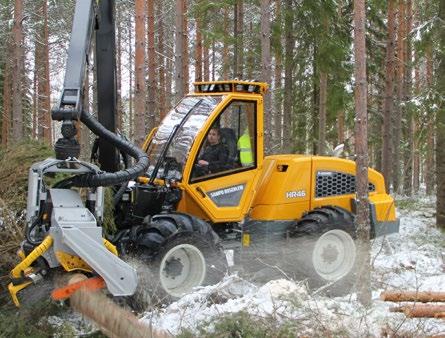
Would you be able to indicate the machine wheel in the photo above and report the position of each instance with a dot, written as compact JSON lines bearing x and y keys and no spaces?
{"x":184,"y":252}
{"x":325,"y":249}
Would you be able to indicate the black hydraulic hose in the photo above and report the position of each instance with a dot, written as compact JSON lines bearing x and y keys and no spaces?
{"x":108,"y":179}
{"x":162,"y":155}
{"x":29,"y":230}
{"x":118,"y":195}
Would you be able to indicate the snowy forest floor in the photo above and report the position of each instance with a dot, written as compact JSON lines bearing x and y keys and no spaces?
{"x":412,"y":260}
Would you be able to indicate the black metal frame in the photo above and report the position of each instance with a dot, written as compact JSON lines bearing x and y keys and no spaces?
{"x":88,"y":16}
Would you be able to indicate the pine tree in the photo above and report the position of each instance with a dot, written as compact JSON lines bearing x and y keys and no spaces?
{"x":151,"y":56}
{"x":139,"y":65}
{"x":388,"y":98}
{"x":361,"y":149}
{"x":17,"y":69}
{"x":440,"y":121}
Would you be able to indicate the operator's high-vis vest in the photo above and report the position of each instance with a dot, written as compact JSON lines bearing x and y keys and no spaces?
{"x":245,"y":150}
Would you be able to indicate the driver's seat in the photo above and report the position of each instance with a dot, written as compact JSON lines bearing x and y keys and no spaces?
{"x":228,"y":138}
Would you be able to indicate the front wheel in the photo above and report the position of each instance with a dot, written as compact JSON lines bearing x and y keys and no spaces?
{"x":323,"y":243}
{"x":181,"y":252}
{"x":333,"y":255}
{"x":186,"y":262}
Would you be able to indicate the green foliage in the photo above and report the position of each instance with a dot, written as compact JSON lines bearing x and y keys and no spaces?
{"x":29,"y":322}
{"x":245,"y":325}
{"x":108,"y":224}
{"x":16,"y":161}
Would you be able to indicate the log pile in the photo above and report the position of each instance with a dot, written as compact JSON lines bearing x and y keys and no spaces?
{"x":420,"y":306}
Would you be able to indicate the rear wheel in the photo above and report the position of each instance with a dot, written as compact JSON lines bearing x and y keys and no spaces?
{"x":325,"y":250}
{"x":183,"y":252}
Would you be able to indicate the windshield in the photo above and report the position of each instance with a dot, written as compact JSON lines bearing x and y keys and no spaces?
{"x":188,"y":116}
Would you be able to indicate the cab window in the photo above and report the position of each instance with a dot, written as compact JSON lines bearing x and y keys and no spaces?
{"x":230,"y":143}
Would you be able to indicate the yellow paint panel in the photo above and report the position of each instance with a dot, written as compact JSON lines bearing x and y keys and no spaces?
{"x":384,"y":207}
{"x":71,"y":262}
{"x":199,"y":193}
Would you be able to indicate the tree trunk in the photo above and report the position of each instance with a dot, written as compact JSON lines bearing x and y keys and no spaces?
{"x":119,"y":104}
{"x":6,"y":117}
{"x":315,"y":101}
{"x":179,"y":50}
{"x":185,"y":47}
{"x":35,"y":120}
{"x":322,"y":113}
{"x":340,"y":127}
{"x":361,"y":150}
{"x":198,"y":48}
{"x":412,"y":296}
{"x":225,"y":51}
{"x":161,"y":62}
{"x":42,"y":69}
{"x":417,"y":126}
{"x":206,"y":63}
{"x":139,"y":65}
{"x":440,"y":125}
{"x":169,"y":78}
{"x":130,"y":85}
{"x":288,"y":76}
{"x":213,"y":59}
{"x":151,"y":56}
{"x":400,"y":96}
{"x":429,"y":165}
{"x":17,"y":79}
{"x":238,"y":56}
{"x":407,"y":83}
{"x":388,"y":103}
{"x":249,"y":63}
{"x":278,"y":112}
{"x":266,"y":68}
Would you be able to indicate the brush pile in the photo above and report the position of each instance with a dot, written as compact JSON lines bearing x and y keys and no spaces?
{"x":15,"y":163}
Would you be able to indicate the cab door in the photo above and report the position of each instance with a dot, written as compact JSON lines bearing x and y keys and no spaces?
{"x":225,"y":193}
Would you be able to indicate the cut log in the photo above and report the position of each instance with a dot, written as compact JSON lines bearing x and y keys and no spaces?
{"x":113,"y":320}
{"x":412,"y":296}
{"x":420,"y":310}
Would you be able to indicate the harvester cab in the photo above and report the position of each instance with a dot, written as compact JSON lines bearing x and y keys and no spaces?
{"x":222,"y":190}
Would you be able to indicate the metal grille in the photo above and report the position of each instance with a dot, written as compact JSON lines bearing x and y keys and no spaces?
{"x":331,"y":183}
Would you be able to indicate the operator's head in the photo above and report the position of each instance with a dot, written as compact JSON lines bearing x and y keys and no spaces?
{"x":214,"y":136}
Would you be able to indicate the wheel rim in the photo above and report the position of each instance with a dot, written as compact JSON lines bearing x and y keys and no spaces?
{"x":182,"y":268}
{"x":334,"y":255}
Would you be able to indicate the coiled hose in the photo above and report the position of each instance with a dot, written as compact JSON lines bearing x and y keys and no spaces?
{"x":108,"y":179}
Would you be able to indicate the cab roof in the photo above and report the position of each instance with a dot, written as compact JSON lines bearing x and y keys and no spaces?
{"x":230,"y":86}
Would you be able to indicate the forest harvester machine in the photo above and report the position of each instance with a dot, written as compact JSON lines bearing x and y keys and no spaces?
{"x":185,"y":221}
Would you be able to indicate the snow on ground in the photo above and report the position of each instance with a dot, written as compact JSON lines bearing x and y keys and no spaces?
{"x":410,"y":260}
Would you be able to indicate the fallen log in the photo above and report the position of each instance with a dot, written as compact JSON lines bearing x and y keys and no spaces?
{"x":412,"y":296}
{"x":420,"y":310}
{"x":113,"y":320}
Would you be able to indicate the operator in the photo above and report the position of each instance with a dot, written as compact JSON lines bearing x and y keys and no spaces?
{"x":216,"y":155}
{"x":245,"y":149}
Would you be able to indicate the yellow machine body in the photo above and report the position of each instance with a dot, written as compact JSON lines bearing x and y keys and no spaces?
{"x":279,"y":187}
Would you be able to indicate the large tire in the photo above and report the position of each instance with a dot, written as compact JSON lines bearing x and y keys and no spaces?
{"x":182,"y":252}
{"x":325,"y":250}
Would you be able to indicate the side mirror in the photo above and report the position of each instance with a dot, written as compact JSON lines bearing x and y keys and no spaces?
{"x":338,"y":150}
